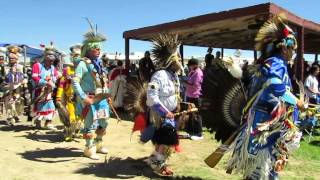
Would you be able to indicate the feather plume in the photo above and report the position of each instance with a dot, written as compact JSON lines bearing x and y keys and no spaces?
{"x":92,"y":35}
{"x":233,"y":67}
{"x":271,"y":34}
{"x":164,"y":45}
{"x":223,"y":99}
{"x":136,"y":96}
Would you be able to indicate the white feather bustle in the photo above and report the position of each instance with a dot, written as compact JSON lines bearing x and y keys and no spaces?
{"x":235,"y":70}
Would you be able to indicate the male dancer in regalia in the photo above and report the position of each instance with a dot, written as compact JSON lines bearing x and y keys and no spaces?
{"x":163,"y":100}
{"x":90,"y":85}
{"x":14,"y":81}
{"x":263,"y":145}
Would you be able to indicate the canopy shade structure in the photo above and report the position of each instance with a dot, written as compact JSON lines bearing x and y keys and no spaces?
{"x":232,"y":29}
{"x":31,"y":52}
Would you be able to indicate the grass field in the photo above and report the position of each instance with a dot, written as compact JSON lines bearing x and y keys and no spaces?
{"x":304,"y":163}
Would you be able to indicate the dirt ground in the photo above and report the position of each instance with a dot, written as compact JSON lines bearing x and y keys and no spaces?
{"x":30,"y":154}
{"x":27,"y":153}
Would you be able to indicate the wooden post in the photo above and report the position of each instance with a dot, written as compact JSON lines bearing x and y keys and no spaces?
{"x":222,"y":53}
{"x":24,"y":58}
{"x":255,"y":55}
{"x":181,"y":54}
{"x":127,"y":52}
{"x":300,"y":52}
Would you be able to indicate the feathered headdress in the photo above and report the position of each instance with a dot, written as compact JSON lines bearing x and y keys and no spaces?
{"x":14,"y":49}
{"x":75,"y":49}
{"x":92,"y":39}
{"x":50,"y":51}
{"x":13,"y":52}
{"x":274,"y":34}
{"x":164,"y":50}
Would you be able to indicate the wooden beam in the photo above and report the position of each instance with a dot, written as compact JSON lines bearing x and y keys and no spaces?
{"x":255,"y":55}
{"x":300,"y":52}
{"x":225,"y":37}
{"x":198,"y":20}
{"x":127,"y":52}
{"x":181,"y":54}
{"x":222,"y":53}
{"x":215,"y":28}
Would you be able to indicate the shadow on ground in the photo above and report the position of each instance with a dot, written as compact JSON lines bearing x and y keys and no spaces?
{"x":55,"y":155}
{"x":49,"y":136}
{"x":118,"y":168}
{"x":315,"y":143}
{"x":15,"y":128}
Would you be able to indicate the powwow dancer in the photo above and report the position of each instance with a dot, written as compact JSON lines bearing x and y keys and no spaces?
{"x":90,"y":85}
{"x":118,"y":81}
{"x":2,"y":69}
{"x":44,"y":77}
{"x":2,"y":80}
{"x":263,"y":145}
{"x":65,"y":97}
{"x":14,"y":81}
{"x":161,"y":96}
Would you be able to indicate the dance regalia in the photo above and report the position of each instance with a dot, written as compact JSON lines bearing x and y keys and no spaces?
{"x":14,"y":81}
{"x":87,"y":84}
{"x":90,"y":81}
{"x":163,"y":97}
{"x":154,"y":103}
{"x":118,"y":81}
{"x":263,"y":145}
{"x":44,"y":107}
{"x":14,"y":100}
{"x":2,"y":73}
{"x":66,"y":104}
{"x":268,"y":135}
{"x":2,"y":91}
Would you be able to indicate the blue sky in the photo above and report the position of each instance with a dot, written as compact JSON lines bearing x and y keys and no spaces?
{"x":39,"y":21}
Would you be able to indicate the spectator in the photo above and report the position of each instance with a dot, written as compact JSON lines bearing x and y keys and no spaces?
{"x":133,"y":69}
{"x":209,"y":57}
{"x":105,"y":62}
{"x":146,"y":67}
{"x":312,"y":86}
{"x":218,"y":56}
{"x":193,"y":92}
{"x":316,"y":62}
